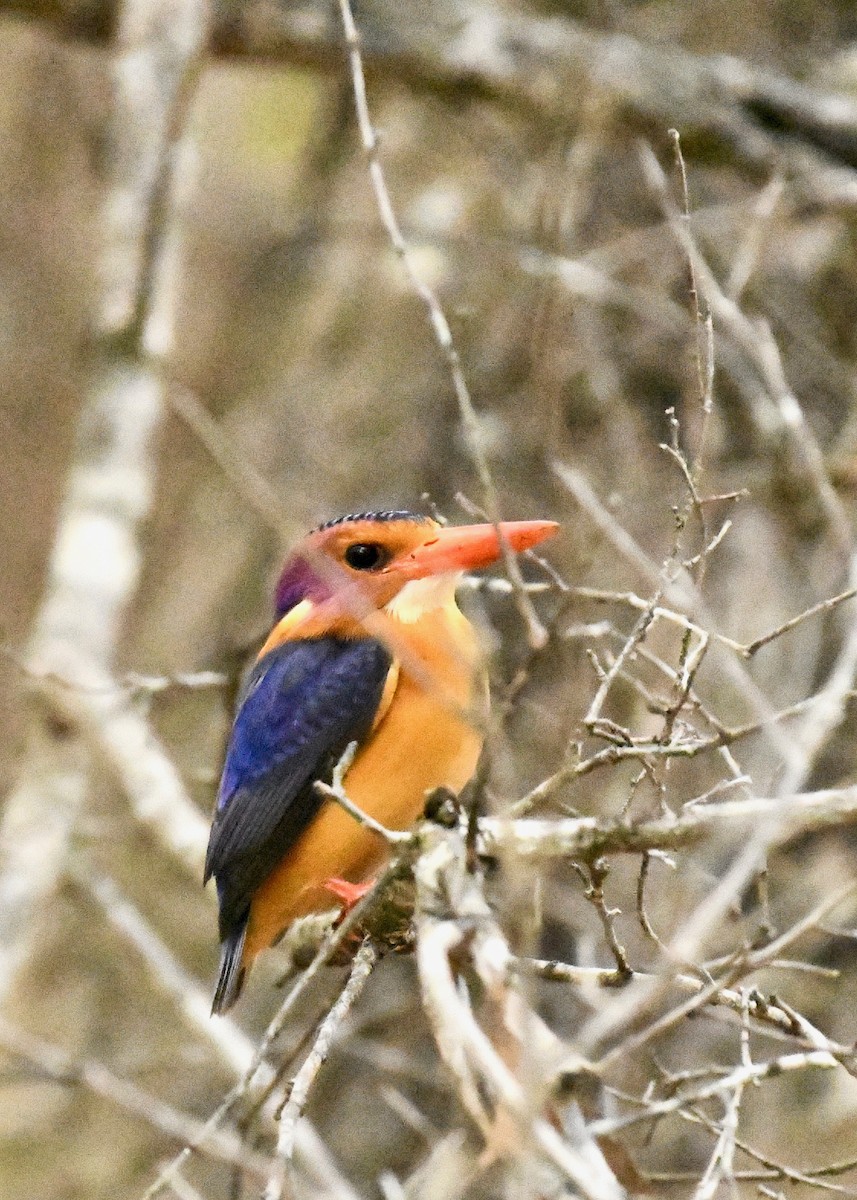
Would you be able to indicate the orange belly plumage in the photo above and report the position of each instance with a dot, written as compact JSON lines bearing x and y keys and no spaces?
{"x":429,"y":737}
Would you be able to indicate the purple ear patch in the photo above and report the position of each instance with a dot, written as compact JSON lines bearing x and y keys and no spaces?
{"x":298,"y":582}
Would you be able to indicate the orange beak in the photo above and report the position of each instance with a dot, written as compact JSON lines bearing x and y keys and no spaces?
{"x":468,"y":547}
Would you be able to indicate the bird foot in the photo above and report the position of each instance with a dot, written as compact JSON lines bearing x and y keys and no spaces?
{"x":350,"y":894}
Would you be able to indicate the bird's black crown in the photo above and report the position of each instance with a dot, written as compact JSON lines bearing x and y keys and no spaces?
{"x":383,"y":515}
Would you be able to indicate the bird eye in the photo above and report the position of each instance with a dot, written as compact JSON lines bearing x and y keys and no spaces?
{"x":365,"y":556}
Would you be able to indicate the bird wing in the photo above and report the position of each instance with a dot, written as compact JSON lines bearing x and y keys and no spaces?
{"x":303,"y":703}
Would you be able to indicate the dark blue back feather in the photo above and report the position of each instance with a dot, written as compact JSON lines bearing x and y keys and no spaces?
{"x":302,"y":704}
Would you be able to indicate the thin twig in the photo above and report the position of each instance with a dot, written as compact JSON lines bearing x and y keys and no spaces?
{"x":741,"y":965}
{"x":250,"y":484}
{"x":758,"y":344}
{"x":739,"y":1077}
{"x":680,"y":592}
{"x":326,"y":952}
{"x":437,"y":317}
{"x":773,"y":1016}
{"x":828,"y":708}
{"x":361,"y":968}
{"x":336,"y":791}
{"x":594,"y":876}
{"x":822,"y":606}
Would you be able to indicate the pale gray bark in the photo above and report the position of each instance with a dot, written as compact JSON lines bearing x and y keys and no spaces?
{"x":95,"y":562}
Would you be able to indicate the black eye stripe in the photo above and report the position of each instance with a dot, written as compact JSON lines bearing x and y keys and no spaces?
{"x":366,"y":556}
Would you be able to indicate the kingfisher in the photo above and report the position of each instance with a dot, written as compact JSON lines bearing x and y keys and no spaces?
{"x":368,"y":647}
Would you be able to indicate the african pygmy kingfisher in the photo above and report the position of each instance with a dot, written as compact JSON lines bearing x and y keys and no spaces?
{"x":370,"y":647}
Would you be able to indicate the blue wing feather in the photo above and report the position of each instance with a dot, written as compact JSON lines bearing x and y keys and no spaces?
{"x":302,"y":705}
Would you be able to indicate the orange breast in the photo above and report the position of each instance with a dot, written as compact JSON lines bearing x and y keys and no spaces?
{"x":428,"y":737}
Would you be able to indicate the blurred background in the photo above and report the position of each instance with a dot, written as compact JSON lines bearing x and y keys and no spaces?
{"x":296,"y":377}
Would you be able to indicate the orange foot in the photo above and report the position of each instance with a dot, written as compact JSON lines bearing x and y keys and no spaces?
{"x":350,"y":894}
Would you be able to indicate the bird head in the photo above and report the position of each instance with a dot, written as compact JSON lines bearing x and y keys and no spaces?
{"x":401,"y":562}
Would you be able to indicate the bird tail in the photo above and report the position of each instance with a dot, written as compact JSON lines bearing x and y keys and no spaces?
{"x":231,"y":977}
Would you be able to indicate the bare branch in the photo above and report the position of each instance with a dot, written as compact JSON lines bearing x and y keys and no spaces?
{"x":681,"y":593}
{"x":95,"y":561}
{"x":784,"y":817}
{"x":757,"y":343}
{"x":155,"y":1112}
{"x":827,"y":710}
{"x":770,"y":1014}
{"x":533,"y":65}
{"x":823,"y":606}
{"x":361,"y":968}
{"x":739,"y":1078}
{"x":330,"y":946}
{"x":488,"y":1072}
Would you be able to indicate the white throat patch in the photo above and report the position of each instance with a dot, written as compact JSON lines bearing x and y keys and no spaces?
{"x":421,"y":596}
